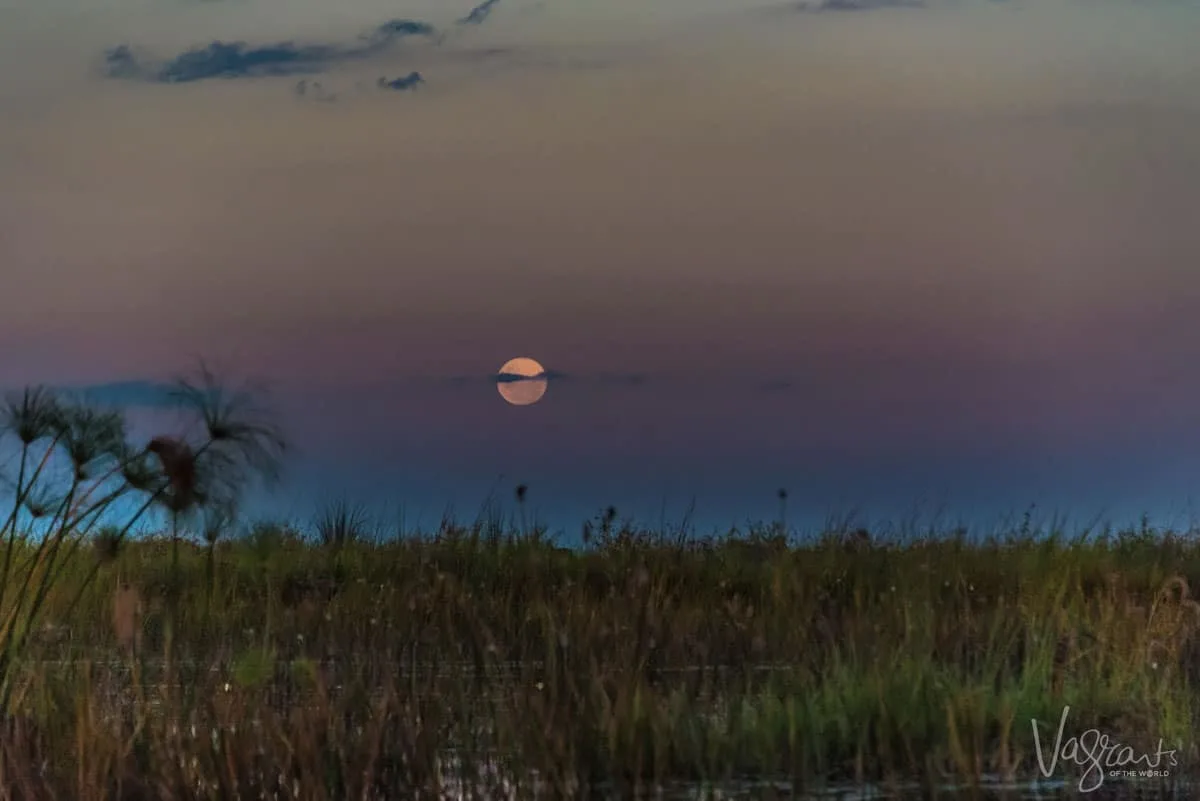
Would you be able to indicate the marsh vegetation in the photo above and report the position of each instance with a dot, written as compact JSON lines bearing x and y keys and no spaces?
{"x":222,"y":658}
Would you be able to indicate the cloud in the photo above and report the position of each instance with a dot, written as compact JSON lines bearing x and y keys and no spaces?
{"x":512,"y":378}
{"x":505,"y":378}
{"x":555,"y":376}
{"x":239,"y":60}
{"x":314,"y":90}
{"x":121,"y":63}
{"x":385,"y":33}
{"x":403,"y":83}
{"x":599,"y":380}
{"x":605,"y":379}
{"x":231,"y":60}
{"x":143,"y":394}
{"x":479,"y":13}
{"x":856,"y":5}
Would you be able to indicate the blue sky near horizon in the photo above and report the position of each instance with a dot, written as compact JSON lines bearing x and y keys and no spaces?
{"x":937,"y":257}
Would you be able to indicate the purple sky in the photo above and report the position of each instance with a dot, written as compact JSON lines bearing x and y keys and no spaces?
{"x":942,"y":257}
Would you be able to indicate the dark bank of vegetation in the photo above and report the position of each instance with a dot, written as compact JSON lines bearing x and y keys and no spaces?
{"x":219,"y":662}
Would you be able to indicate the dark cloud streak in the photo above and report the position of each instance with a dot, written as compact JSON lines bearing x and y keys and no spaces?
{"x":604,"y":379}
{"x":856,"y":5}
{"x":403,"y":83}
{"x":513,"y":378}
{"x":231,"y":60}
{"x":479,"y":13}
{"x":385,"y":33}
{"x":142,"y":394}
{"x":237,"y":59}
{"x":315,"y":90}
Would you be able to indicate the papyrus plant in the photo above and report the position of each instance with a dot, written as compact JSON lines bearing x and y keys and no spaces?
{"x":76,"y":468}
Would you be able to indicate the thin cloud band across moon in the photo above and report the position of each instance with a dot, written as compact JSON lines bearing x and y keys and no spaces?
{"x":522,"y":381}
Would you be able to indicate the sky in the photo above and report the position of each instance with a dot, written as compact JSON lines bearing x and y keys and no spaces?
{"x":896,"y":258}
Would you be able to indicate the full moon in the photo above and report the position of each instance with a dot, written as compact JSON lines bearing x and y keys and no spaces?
{"x":522,"y":381}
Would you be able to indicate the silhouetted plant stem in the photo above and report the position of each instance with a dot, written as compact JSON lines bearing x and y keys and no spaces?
{"x":47,"y":550}
{"x":89,"y":438}
{"x":91,"y":574}
{"x":173,"y":588}
{"x":12,"y":521}
{"x":94,"y":512}
{"x":11,"y":524}
{"x":23,"y":495}
{"x":210,"y":570}
{"x":10,"y":647}
{"x":47,"y":569}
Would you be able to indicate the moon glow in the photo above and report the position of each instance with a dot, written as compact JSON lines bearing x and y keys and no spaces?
{"x":522,"y":381}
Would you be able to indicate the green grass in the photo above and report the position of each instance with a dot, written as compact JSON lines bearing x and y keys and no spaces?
{"x":338,"y":666}
{"x":323,"y":670}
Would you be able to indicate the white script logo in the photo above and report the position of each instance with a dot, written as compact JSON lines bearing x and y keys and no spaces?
{"x":1097,"y":752}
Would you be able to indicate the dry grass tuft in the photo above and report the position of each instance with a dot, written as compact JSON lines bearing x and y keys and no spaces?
{"x":127,"y":618}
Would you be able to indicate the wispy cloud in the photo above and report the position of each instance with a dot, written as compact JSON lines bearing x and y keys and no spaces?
{"x":405,"y":82}
{"x":512,"y":378}
{"x":239,"y":60}
{"x":479,"y":13}
{"x":316,"y":90}
{"x":555,"y":376}
{"x":136,"y":393}
{"x":505,"y":378}
{"x":385,"y":33}
{"x":856,"y":5}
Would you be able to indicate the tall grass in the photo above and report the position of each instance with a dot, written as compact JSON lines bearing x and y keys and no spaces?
{"x":495,"y":660}
{"x":77,"y":465}
{"x":485,"y":661}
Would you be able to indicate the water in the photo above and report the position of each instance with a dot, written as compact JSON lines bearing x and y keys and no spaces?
{"x":460,"y":782}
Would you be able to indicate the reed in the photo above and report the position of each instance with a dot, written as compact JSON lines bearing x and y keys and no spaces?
{"x":484,"y":660}
{"x":498,"y":661}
